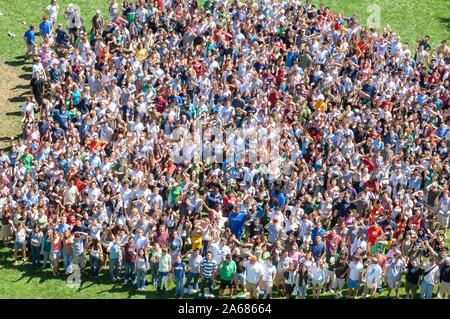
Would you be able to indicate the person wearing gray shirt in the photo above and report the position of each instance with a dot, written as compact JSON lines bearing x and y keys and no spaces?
{"x":195,"y":260}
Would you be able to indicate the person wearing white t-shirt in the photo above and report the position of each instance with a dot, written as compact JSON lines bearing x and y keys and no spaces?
{"x":373,"y":276}
{"x":317,"y":278}
{"x":430,"y":279}
{"x":253,"y":276}
{"x":269,"y":273}
{"x":354,"y":278}
{"x":71,"y":194}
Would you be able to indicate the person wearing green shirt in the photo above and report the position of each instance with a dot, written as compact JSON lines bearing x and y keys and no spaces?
{"x":46,"y":247}
{"x":227,"y":271}
{"x":332,"y":258}
{"x":27,"y":160}
{"x":175,"y":194}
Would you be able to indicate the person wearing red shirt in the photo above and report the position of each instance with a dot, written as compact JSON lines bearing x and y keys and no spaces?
{"x":332,"y":238}
{"x":415,"y":220}
{"x":160,"y":103}
{"x":374,"y":232}
{"x":170,"y":168}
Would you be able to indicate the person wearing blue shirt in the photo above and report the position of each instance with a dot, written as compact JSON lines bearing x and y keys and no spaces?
{"x":318,"y":248}
{"x":276,"y":196}
{"x":114,"y":255}
{"x":30,"y":40}
{"x":318,"y":230}
{"x":237,"y":221}
{"x":62,"y":116}
{"x":45,"y":27}
{"x":179,"y":272}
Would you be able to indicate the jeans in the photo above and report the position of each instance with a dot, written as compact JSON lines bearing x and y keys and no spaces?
{"x":95,"y":266}
{"x":140,"y":273}
{"x":46,"y":258}
{"x":67,"y":258}
{"x":207,"y":283}
{"x":302,"y":291}
{"x":179,"y":289}
{"x":35,"y":252}
{"x":426,"y":290}
{"x":190,"y":276}
{"x":114,"y":268}
{"x":163,"y":277}
{"x":154,"y":269}
{"x":130,"y":270}
{"x":205,"y":245}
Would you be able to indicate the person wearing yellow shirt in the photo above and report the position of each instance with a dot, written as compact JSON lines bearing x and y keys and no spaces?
{"x":197,"y":239}
{"x":141,"y":52}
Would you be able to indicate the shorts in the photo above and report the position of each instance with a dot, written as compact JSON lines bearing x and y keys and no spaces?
{"x":353,"y":284}
{"x":226,"y":283}
{"x":6,"y":231}
{"x":56,"y":255}
{"x":329,"y":275}
{"x":240,"y":278}
{"x":316,"y":282}
{"x":266,"y":286}
{"x":443,"y":220}
{"x":411,"y":287}
{"x":338,"y":283}
{"x":80,"y":261}
{"x":444,"y":288}
{"x":31,"y":49}
{"x":18,"y":245}
{"x":252,"y":290}
{"x":371,"y":285}
{"x":393,"y":283}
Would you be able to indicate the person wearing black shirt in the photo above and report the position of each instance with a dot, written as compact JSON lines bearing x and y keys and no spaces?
{"x":340,"y":270}
{"x":444,"y":288}
{"x":413,"y":273}
{"x":255,"y":227}
{"x":240,"y":270}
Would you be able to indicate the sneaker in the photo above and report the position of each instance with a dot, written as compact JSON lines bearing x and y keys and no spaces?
{"x":125,"y":281}
{"x":210,"y":295}
{"x":134,"y":282}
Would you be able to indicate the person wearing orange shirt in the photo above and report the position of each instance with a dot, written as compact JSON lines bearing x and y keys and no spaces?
{"x":374,"y":232}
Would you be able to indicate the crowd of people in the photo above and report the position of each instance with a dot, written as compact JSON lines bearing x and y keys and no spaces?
{"x":348,"y":194}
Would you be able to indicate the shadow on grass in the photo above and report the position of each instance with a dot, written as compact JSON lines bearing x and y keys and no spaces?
{"x":25,"y":76}
{"x":16,"y":99}
{"x":445,"y":21}
{"x":14,"y":63}
{"x":8,"y":138}
{"x":17,"y":113}
{"x":21,"y":87}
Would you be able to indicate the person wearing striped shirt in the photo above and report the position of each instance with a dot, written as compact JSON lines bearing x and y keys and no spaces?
{"x":208,"y":268}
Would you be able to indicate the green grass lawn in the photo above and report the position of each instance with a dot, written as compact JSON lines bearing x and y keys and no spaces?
{"x":24,"y":281}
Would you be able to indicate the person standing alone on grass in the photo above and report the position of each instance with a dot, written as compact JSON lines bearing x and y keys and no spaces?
{"x":30,"y":40}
